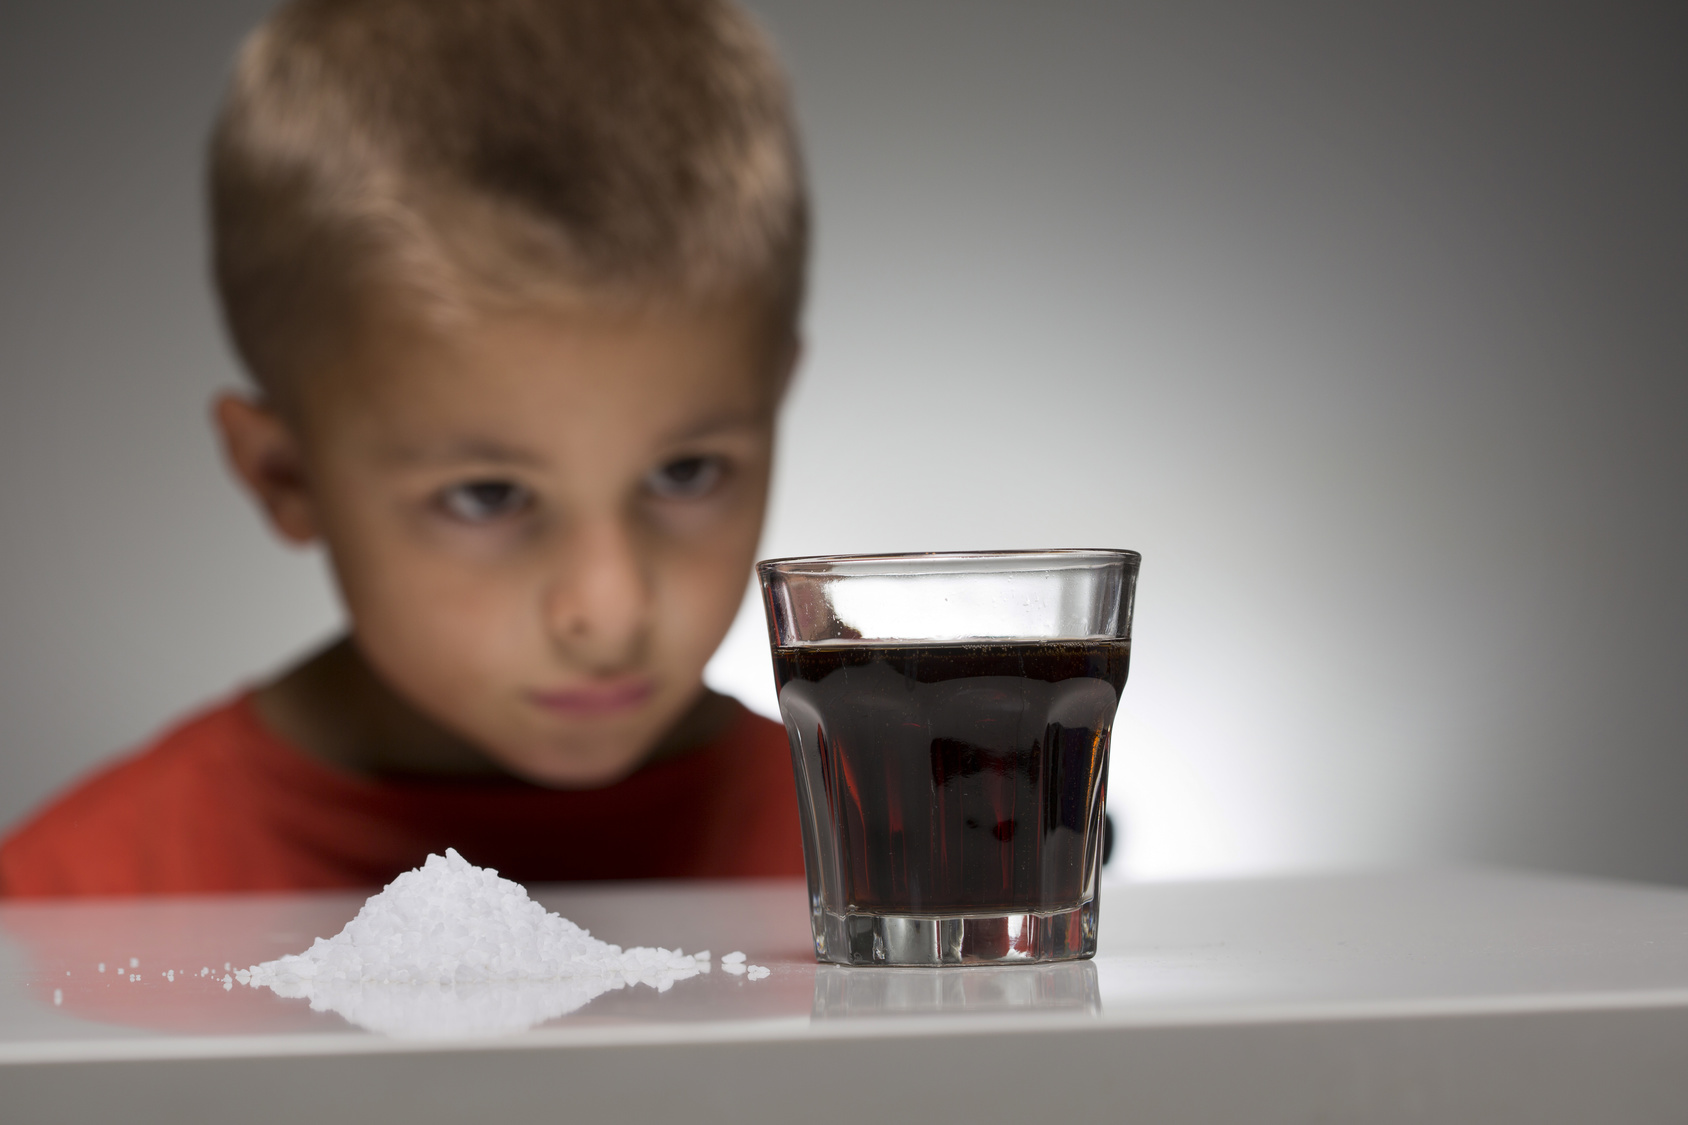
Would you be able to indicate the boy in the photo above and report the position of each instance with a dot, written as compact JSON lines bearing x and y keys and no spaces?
{"x":518,"y":283}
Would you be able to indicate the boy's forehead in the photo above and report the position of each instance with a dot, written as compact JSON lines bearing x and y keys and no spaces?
{"x":485,"y":443}
{"x":494,"y":386}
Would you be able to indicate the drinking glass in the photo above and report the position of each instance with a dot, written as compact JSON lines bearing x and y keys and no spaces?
{"x":949,"y":718}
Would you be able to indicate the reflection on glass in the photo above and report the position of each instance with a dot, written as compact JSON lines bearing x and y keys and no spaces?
{"x":845,"y":993}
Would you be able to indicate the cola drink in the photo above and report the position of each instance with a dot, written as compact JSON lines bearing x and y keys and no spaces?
{"x":960,"y":778}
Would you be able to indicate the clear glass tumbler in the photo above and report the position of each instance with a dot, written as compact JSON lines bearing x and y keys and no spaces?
{"x":949,"y":717}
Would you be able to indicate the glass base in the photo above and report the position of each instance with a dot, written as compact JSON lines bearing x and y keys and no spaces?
{"x":965,"y":939}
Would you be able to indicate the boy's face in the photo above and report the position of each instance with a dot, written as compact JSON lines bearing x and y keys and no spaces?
{"x":542,"y":523}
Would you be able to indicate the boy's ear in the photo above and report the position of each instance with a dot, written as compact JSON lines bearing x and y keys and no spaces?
{"x":264,"y":453}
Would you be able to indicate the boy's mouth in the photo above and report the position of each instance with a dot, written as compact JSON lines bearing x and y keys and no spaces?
{"x":603,"y":697}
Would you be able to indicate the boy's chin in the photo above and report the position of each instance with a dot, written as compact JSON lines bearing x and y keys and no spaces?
{"x":559,"y":768}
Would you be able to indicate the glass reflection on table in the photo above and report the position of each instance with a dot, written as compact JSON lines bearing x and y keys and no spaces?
{"x":849,"y":993}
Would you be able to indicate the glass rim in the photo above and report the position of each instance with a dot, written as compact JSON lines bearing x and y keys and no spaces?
{"x":1070,"y":556}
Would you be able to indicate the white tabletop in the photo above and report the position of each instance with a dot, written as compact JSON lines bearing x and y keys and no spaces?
{"x":1401,"y":997}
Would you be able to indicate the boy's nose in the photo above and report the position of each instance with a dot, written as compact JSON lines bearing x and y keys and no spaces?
{"x":598,"y":600}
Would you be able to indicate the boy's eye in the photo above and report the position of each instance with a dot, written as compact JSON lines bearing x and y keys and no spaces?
{"x":482,"y":501}
{"x":686,"y":478}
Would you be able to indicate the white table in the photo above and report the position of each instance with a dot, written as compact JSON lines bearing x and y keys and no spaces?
{"x":1430,"y":997}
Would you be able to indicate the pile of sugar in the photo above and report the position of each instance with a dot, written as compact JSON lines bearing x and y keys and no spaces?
{"x":453,"y":949}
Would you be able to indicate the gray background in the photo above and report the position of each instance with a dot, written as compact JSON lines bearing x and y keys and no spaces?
{"x":1364,"y":323}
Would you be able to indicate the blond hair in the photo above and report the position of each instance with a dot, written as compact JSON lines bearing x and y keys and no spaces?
{"x":466,"y":151}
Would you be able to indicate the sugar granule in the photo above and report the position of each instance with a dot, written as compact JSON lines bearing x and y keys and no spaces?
{"x":453,"y":949}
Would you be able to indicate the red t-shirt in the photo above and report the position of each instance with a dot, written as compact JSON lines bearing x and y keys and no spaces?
{"x":222,"y":804}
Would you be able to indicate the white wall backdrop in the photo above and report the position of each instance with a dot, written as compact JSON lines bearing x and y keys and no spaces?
{"x":1365,"y":326}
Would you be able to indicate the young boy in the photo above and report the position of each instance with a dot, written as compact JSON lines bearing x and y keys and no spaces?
{"x":518,"y":283}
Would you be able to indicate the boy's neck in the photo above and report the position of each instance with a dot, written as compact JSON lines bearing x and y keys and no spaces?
{"x":335,"y":708}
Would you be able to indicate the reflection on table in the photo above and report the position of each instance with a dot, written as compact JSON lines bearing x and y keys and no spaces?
{"x":846,"y":993}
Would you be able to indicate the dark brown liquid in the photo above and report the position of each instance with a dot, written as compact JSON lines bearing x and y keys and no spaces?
{"x":951,"y":778}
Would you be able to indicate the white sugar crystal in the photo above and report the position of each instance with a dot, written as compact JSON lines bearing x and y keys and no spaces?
{"x":734,"y":967}
{"x":756,"y":972}
{"x":134,"y":962}
{"x":102,"y":966}
{"x":58,"y":997}
{"x":453,"y":949}
{"x":733,"y":958}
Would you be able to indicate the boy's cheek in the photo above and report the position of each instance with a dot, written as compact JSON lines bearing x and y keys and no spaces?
{"x":430,"y":615}
{"x":704,"y":592}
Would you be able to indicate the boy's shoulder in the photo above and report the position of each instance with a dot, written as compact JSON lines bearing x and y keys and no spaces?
{"x":136,"y":824}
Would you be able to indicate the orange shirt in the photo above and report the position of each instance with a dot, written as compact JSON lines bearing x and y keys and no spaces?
{"x":222,"y":804}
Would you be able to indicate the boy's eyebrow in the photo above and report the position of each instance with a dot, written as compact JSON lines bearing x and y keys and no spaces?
{"x":479,"y":450}
{"x":490,"y":451}
{"x":715,"y":423}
